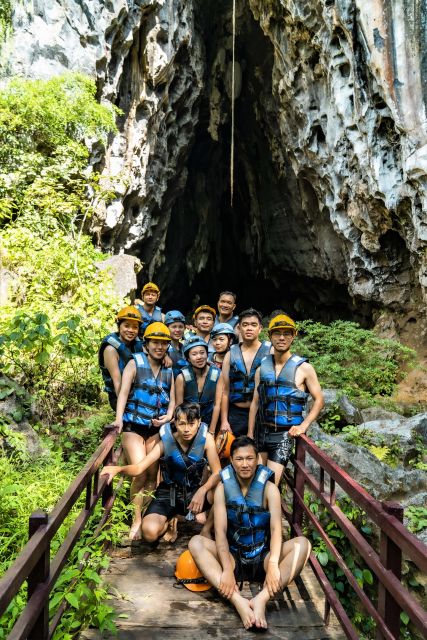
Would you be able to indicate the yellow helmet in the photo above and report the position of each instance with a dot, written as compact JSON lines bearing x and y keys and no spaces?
{"x":282,"y":321}
{"x":129,"y":313}
{"x":150,"y":286}
{"x":189,"y":575}
{"x":206,"y":308}
{"x":157,"y":331}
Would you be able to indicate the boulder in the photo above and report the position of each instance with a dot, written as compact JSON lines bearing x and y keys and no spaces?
{"x":336,"y":399}
{"x":378,"y":413}
{"x":124,"y":269}
{"x":15,"y":411}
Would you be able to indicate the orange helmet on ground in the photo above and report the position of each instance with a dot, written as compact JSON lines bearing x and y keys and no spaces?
{"x":223,"y":442}
{"x":188,"y":574}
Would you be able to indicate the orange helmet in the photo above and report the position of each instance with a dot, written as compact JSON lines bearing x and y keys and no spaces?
{"x":188,"y":574}
{"x":150,"y":286}
{"x":223,"y":443}
{"x":206,"y":308}
{"x":129,"y":313}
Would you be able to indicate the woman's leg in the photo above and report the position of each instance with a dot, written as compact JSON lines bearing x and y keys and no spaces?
{"x":135,"y":450}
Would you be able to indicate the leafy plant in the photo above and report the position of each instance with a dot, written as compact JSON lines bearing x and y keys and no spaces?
{"x":417,"y":517}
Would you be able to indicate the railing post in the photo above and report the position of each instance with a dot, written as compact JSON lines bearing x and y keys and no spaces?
{"x":297,"y":510}
{"x":391,"y":558}
{"x":108,"y":489}
{"x":38,"y":575}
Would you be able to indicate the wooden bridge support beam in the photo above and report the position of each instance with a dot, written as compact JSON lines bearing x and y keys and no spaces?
{"x":39,"y":575}
{"x":391,"y":558}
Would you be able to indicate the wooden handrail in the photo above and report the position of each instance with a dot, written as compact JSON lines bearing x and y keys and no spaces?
{"x":394,"y":539}
{"x":34,"y":564}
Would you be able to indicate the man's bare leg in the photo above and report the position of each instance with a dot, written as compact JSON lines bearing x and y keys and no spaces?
{"x":207,"y":528}
{"x":278,"y":471}
{"x":205,"y":556}
{"x":154,"y":526}
{"x":293,"y":558}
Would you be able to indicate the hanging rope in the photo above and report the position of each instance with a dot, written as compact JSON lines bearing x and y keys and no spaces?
{"x":232,"y":107}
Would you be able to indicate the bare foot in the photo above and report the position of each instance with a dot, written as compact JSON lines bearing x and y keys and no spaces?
{"x":171,"y":533}
{"x":135,"y":533}
{"x":258,"y":606}
{"x":244,"y":609}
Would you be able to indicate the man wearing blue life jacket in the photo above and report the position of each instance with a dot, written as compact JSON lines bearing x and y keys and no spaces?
{"x":200,"y":382}
{"x":175,"y":322}
{"x":248,"y":541}
{"x":147,"y":307}
{"x":238,"y":369}
{"x":226,"y":305}
{"x":184,"y":454}
{"x":117,"y":349}
{"x":146,"y":402}
{"x":283,"y":383}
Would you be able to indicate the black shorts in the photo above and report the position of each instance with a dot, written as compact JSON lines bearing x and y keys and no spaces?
{"x":141,"y":430}
{"x":278,"y":445}
{"x":238,"y":417}
{"x":161,"y":503}
{"x":249,"y":571}
{"x":112,"y":399}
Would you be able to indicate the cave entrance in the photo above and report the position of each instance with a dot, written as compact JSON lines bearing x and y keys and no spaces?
{"x":275,"y":247}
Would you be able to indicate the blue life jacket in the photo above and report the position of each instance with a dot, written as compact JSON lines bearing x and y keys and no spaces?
{"x":206,"y":398}
{"x":232,"y":322}
{"x":281,"y":402}
{"x":125,"y":354}
{"x":149,"y":397}
{"x":248,"y":529}
{"x":178,"y":360}
{"x":147,"y":319}
{"x":242,"y":383}
{"x":184,"y":469}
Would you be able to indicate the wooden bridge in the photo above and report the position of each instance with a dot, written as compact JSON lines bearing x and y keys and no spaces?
{"x":143,"y":579}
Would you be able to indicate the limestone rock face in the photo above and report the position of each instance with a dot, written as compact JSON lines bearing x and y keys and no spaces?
{"x":330,"y":142}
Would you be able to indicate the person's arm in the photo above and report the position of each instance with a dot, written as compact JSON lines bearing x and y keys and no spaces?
{"x":198,"y":499}
{"x":254,"y":407}
{"x":272,"y":577}
{"x":312,"y":384}
{"x":127,"y":380}
{"x":111,"y":362}
{"x":179,"y":389}
{"x":158,"y":422}
{"x":217,"y":404}
{"x":227,"y":585}
{"x":225,"y":401}
{"x":135,"y":469}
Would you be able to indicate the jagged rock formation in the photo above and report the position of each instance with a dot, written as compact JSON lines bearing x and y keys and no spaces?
{"x":331,"y":138}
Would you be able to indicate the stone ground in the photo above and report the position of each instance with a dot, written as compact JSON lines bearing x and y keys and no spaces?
{"x":142,"y":582}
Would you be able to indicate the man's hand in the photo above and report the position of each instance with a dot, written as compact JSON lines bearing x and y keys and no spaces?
{"x":118,"y":423}
{"x":272,"y":579}
{"x":196,"y":504}
{"x":167,"y":361}
{"x":227,"y":584}
{"x":225,"y":426}
{"x":110,"y":471}
{"x":158,"y":422}
{"x":297,"y":430}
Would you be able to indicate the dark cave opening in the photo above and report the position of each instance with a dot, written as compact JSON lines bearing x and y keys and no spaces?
{"x":264,"y":247}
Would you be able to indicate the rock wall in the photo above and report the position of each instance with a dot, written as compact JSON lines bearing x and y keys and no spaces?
{"x":331,"y":142}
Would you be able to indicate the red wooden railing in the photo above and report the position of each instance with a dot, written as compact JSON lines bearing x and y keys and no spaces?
{"x":395,"y":540}
{"x":34,"y":563}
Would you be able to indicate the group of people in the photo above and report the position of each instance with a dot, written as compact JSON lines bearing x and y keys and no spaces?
{"x":194,"y":398}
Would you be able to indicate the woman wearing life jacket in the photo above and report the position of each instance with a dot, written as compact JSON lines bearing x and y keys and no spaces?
{"x":175,"y":322}
{"x":222,"y":337}
{"x":145,"y":403}
{"x":248,"y":541}
{"x":117,"y":349}
{"x":184,"y":455}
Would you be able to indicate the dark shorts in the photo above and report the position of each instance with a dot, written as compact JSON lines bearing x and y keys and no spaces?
{"x":250,"y":571}
{"x":112,"y":399}
{"x":278,"y":445}
{"x":161,"y":503}
{"x":238,"y":418}
{"x":141,"y":430}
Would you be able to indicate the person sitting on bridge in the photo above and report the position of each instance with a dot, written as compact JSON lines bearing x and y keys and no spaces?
{"x":226,"y":305}
{"x":147,"y":307}
{"x":184,"y":455}
{"x":248,"y":537}
{"x":238,"y":370}
{"x":145,"y":403}
{"x":175,"y":321}
{"x":200,"y":382}
{"x":222,"y":337}
{"x":117,"y":349}
{"x":283,"y":383}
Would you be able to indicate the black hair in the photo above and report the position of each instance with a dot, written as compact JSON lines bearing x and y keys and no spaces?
{"x":247,"y":313}
{"x":191,"y":410}
{"x":227,"y":293}
{"x":243,"y":441}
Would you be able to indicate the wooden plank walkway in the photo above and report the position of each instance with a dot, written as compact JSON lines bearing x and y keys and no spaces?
{"x":142,"y":582}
